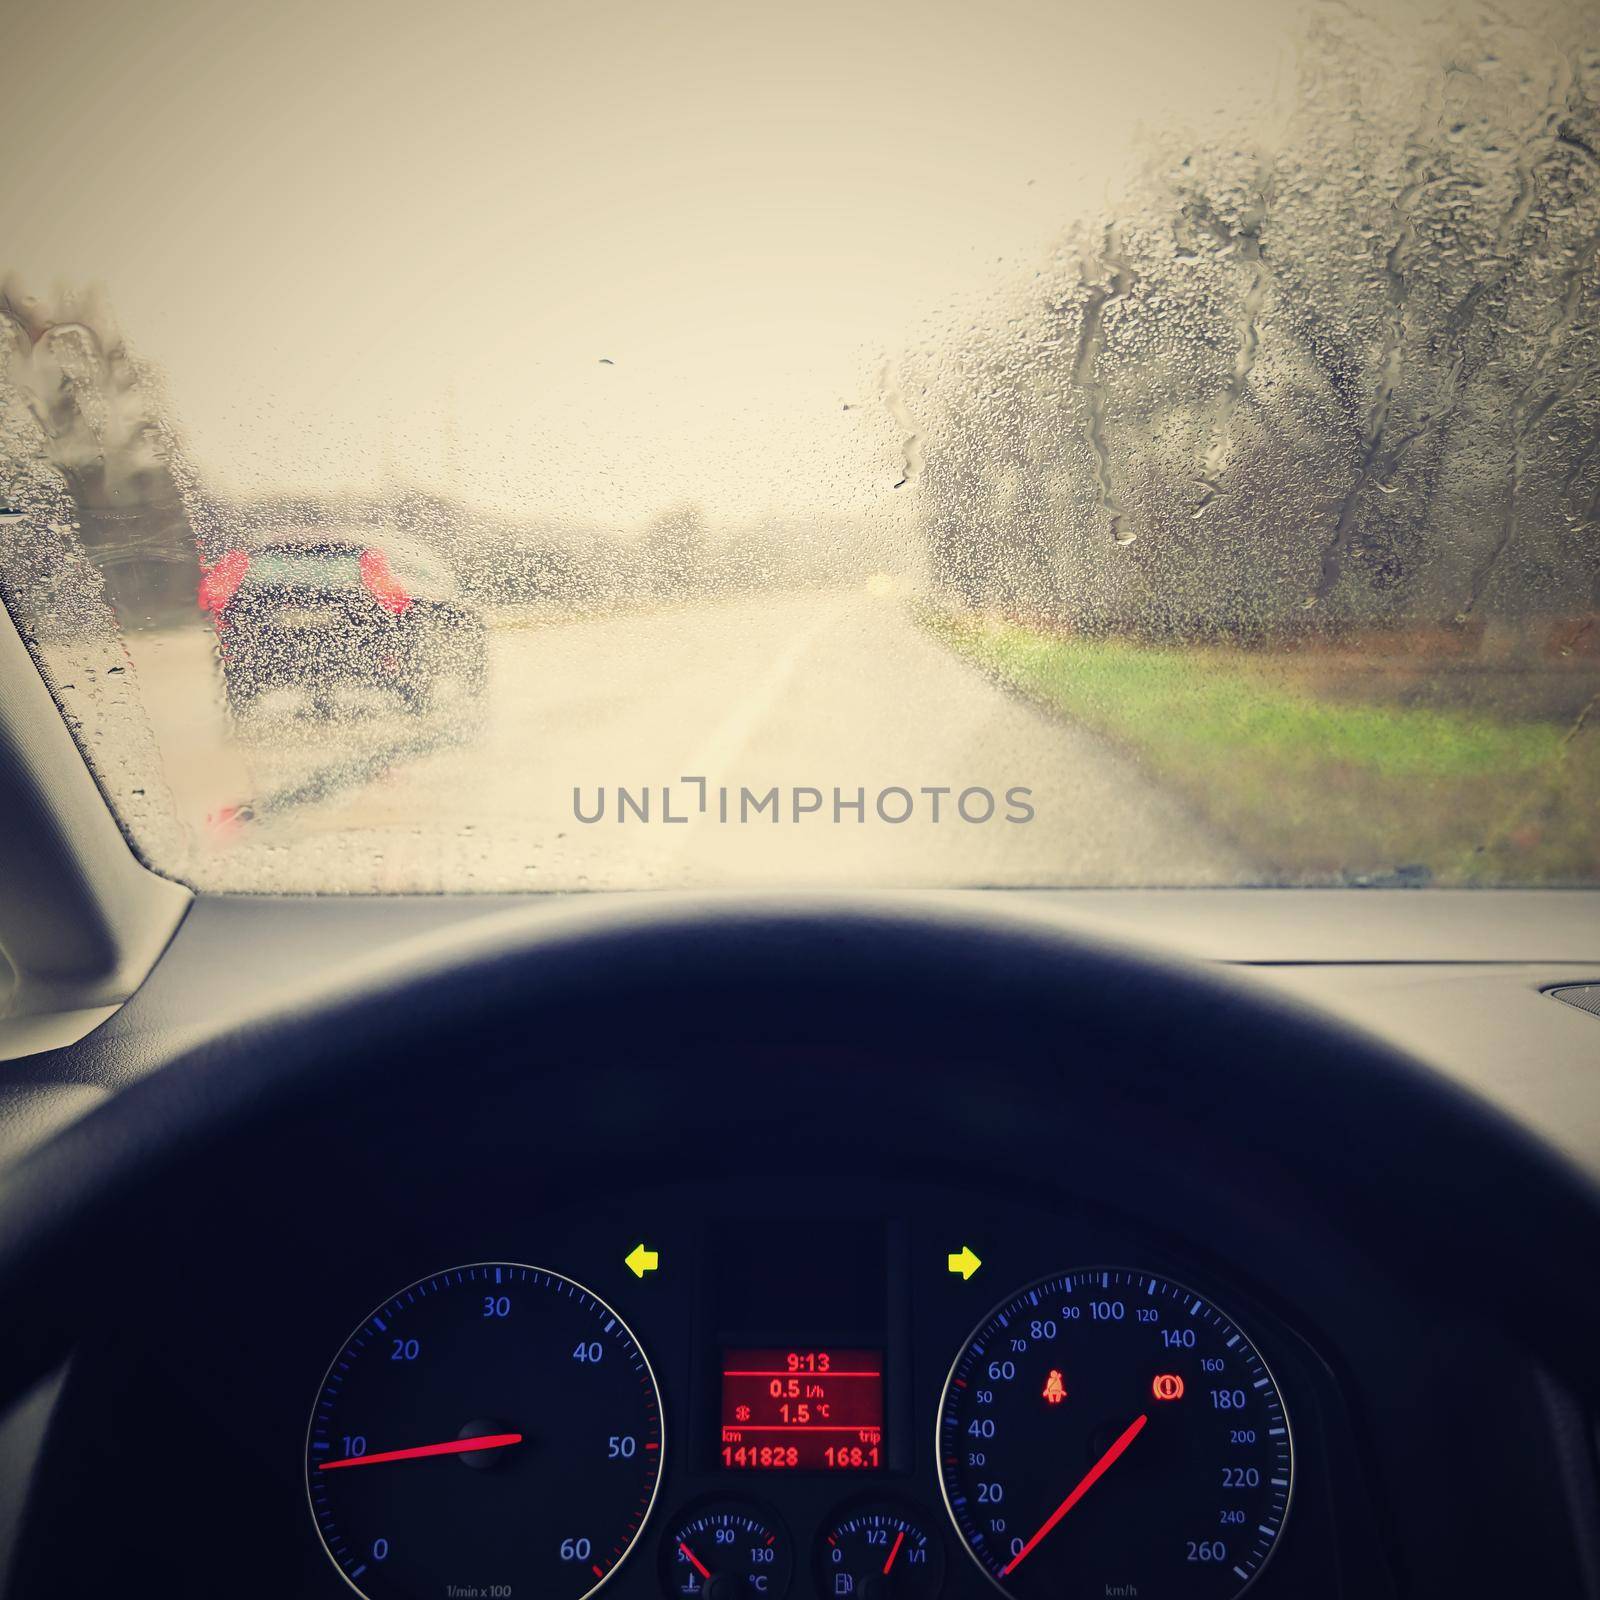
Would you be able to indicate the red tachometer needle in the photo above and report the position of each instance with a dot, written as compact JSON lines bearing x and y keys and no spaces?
{"x":451,"y":1447}
{"x":695,"y":1561}
{"x":899,"y":1539}
{"x":1085,"y":1484}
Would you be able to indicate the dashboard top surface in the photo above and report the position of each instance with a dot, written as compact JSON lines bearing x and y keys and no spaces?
{"x":789,"y":1142}
{"x":1453,"y":978}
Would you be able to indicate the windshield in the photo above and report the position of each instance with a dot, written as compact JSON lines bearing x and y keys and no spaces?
{"x":620,"y":445}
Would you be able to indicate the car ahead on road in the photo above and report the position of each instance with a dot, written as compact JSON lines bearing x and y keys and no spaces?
{"x":320,"y":613}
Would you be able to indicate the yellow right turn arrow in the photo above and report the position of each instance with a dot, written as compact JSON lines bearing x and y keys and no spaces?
{"x":964,"y":1262}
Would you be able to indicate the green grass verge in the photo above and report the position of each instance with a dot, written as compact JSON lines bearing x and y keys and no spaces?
{"x":1314,"y":789}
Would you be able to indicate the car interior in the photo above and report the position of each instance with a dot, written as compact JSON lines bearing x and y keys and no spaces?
{"x":839,"y":838}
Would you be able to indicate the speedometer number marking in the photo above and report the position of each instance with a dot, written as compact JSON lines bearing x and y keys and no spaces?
{"x":1111,"y":1431}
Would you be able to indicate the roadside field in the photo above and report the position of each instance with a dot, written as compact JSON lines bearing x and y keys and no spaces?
{"x":1320,"y":787}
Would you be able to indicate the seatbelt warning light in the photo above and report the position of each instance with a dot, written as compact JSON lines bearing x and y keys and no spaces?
{"x":1055,"y":1391}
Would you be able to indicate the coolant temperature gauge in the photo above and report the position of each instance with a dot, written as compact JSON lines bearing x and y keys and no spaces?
{"x":879,"y":1552}
{"x":726,"y":1550}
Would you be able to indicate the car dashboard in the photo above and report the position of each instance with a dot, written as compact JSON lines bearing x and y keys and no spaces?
{"x":723,"y":1299}
{"x":796,"y":1313}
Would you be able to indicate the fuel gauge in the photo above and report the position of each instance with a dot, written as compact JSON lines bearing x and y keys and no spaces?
{"x":879,"y":1551}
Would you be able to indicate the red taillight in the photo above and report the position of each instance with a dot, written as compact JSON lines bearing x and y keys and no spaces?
{"x":380,"y":582}
{"x":220,"y":581}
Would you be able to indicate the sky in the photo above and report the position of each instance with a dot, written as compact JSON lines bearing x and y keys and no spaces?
{"x":597,"y":256}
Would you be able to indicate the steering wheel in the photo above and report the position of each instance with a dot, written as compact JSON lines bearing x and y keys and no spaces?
{"x":668,"y":1033}
{"x":1181,"y":1059}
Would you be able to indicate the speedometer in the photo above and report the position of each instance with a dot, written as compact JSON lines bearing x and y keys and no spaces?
{"x":1109,"y":1431}
{"x":493,"y":1430}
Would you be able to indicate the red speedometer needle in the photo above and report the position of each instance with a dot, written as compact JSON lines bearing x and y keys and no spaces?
{"x":899,"y":1539}
{"x":450,"y":1447}
{"x":694,"y":1560}
{"x":1085,"y":1484}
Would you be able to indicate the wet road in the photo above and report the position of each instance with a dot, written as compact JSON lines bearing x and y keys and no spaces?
{"x":800,"y":692}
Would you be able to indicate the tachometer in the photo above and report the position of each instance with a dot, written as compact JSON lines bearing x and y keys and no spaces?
{"x":1111,"y":1432}
{"x":492,"y":1430}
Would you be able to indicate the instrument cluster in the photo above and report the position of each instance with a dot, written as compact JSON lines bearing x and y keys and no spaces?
{"x":772,"y":1408}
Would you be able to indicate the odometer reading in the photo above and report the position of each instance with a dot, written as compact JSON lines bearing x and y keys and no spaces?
{"x":492,"y":1430}
{"x":802,"y":1408}
{"x":1112,"y":1432}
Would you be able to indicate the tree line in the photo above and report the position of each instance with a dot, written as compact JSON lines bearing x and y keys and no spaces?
{"x":1347,"y":378}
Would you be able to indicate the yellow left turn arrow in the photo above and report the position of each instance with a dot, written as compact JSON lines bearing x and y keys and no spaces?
{"x":641,"y":1261}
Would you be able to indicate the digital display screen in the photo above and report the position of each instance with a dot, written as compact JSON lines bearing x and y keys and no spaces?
{"x":802,"y":1408}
